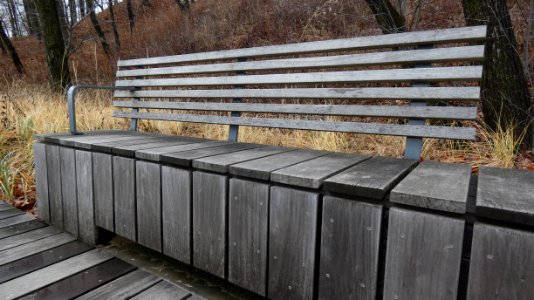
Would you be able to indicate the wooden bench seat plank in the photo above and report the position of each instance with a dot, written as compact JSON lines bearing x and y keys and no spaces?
{"x":435,"y":185}
{"x":389,"y":75}
{"x":124,"y":203}
{"x":261,"y":168}
{"x":391,"y":93}
{"x":373,"y":178}
{"x":55,"y":137}
{"x":129,"y":151}
{"x":27,"y":237}
{"x":10,"y":213}
{"x":27,"y":249}
{"x":82,"y":282}
{"x":85,"y":142}
{"x":154,"y":154}
{"x":429,"y":112}
{"x":53,"y":166}
{"x":444,"y":132}
{"x":506,"y":195}
{"x":123,"y":287}
{"x":40,"y":260}
{"x":19,"y":228}
{"x":87,"y":230}
{"x":38,"y":279}
{"x":466,"y":34}
{"x":148,"y":196}
{"x":103,"y":190}
{"x":220,"y":163}
{"x":107,"y":147}
{"x":41,"y":182}
{"x":163,"y":290}
{"x":469,"y":53}
{"x":15,"y":220}
{"x":311,"y":173}
{"x":68,"y":189}
{"x":185,"y":158}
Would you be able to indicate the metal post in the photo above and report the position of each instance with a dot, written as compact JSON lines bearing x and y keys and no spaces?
{"x":234,"y":129}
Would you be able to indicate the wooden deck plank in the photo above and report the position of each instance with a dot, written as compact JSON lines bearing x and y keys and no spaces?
{"x":209,"y":222}
{"x":16,"y":220}
{"x":185,"y":158}
{"x":20,"y":228}
{"x":154,"y":154}
{"x":82,"y":282}
{"x":148,"y":185}
{"x":107,"y":147}
{"x":54,"y":185}
{"x":87,"y":230}
{"x":176,"y":213}
{"x":103,"y":190}
{"x":129,"y":151}
{"x":40,"y":260}
{"x":41,"y":182}
{"x":4,"y":206}
{"x":292,"y":239}
{"x":124,"y":197}
{"x":68,"y":190}
{"x":27,"y":237}
{"x":28,"y":283}
{"x":10,"y":213}
{"x":21,"y":251}
{"x":124,"y":287}
{"x":163,"y":291}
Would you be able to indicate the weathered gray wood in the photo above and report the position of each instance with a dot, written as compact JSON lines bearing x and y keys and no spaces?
{"x":185,"y":158}
{"x":423,"y":257}
{"x":444,"y":132}
{"x":123,"y":287}
{"x":220,"y":163}
{"x":15,"y":220}
{"x":4,"y":206}
{"x":444,"y":93}
{"x":129,"y":151}
{"x":292,"y":240}
{"x":248,"y":215}
{"x":10,"y":213}
{"x":349,"y":249}
{"x":502,"y":263}
{"x":209,"y":222}
{"x":428,"y":112}
{"x":148,"y":185}
{"x":18,"y":228}
{"x":176,"y":213}
{"x":469,"y":53}
{"x":103,"y":190}
{"x":54,"y":138}
{"x":108,"y":146}
{"x":311,"y":173}
{"x":154,"y":154}
{"x":124,"y":197}
{"x":85,"y":142}
{"x":68,"y":190}
{"x":388,"y":75}
{"x":435,"y":185}
{"x":86,"y":201}
{"x":373,"y":178}
{"x":261,"y":168}
{"x":45,"y":276}
{"x":27,"y":249}
{"x":41,"y":182}
{"x":54,"y":185}
{"x":27,"y":237}
{"x":506,"y":195}
{"x":163,"y":290}
{"x":476,"y":33}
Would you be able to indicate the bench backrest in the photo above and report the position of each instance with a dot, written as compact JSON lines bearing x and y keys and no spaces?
{"x":339,"y":75}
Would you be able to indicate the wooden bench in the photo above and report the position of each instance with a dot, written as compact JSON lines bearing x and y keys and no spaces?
{"x":295,"y":223}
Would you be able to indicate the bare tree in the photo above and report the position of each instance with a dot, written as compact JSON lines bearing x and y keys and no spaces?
{"x":13,"y":18}
{"x":34,"y":28}
{"x":114,"y":26}
{"x":96,"y":26}
{"x":387,"y":17}
{"x":131,"y":16}
{"x":73,"y":12}
{"x":8,"y":47}
{"x":81,"y":6}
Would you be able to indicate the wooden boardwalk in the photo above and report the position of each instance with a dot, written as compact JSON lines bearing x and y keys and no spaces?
{"x":38,"y":261}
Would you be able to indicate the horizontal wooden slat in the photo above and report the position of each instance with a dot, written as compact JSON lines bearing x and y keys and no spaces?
{"x":429,"y":112}
{"x":437,"y":93}
{"x":391,"y":75}
{"x":355,"y":127}
{"x":465,"y":34}
{"x":467,"y":53}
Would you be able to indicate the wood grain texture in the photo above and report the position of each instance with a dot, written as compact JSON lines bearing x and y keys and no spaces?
{"x":124,"y":197}
{"x":148,"y":185}
{"x":68,"y":190}
{"x":163,"y":290}
{"x":185,"y":158}
{"x":435,"y":185}
{"x":292,"y":241}
{"x":248,"y":214}
{"x":10,"y":213}
{"x":18,"y":228}
{"x":16,"y":220}
{"x":26,"y":237}
{"x":176,"y":213}
{"x":21,"y":251}
{"x":209,"y":222}
{"x":154,"y":154}
{"x":103,"y":190}
{"x":506,"y":195}
{"x":53,"y":167}
{"x":423,"y":257}
{"x":502,"y":263}
{"x":373,"y":178}
{"x":41,"y":182}
{"x":349,"y":249}
{"x":129,"y":151}
{"x":86,"y":201}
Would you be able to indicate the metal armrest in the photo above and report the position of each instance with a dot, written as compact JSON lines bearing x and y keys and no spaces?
{"x":71,"y":101}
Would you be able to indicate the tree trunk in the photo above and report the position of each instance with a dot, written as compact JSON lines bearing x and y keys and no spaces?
{"x":73,"y":13}
{"x":56,"y":56}
{"x":83,"y":11}
{"x":34,"y":27}
{"x":387,"y":17}
{"x":62,"y":19}
{"x":131,"y":17}
{"x":505,"y":95}
{"x":8,"y":46}
{"x":184,"y":4}
{"x":98,"y":29}
{"x":13,"y":18}
{"x":114,"y":26}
